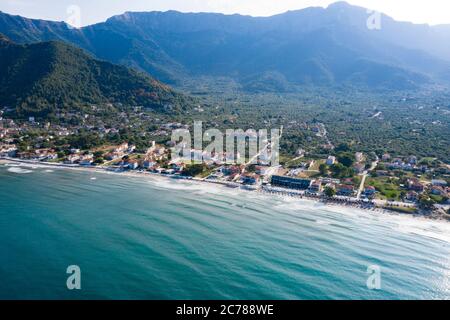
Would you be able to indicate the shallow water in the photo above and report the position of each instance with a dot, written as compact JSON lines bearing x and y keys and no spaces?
{"x":157,"y":238}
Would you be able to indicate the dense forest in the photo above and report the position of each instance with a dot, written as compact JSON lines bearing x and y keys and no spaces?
{"x":43,"y":78}
{"x":402,"y":123}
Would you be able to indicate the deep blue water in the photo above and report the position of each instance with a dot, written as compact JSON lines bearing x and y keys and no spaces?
{"x":154,"y":238}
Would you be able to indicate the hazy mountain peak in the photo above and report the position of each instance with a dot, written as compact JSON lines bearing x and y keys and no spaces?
{"x":312,"y":46}
{"x":340,"y":5}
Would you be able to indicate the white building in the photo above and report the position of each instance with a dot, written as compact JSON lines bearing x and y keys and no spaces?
{"x":359,"y":157}
{"x":331,"y":160}
{"x":439,"y":183}
{"x":8,"y":150}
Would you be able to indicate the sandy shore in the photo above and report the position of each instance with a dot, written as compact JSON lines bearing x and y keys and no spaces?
{"x":284,"y":193}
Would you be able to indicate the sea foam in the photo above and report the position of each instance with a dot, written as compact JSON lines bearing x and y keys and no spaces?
{"x":19,"y":170}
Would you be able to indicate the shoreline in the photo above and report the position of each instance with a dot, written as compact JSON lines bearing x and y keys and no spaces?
{"x":340,"y":203}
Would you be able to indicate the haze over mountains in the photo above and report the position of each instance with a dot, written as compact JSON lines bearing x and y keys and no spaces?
{"x":315,"y":46}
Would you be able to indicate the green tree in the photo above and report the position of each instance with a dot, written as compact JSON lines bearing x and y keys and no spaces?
{"x":340,"y":171}
{"x":426,"y":202}
{"x":343,"y":147}
{"x":98,"y":154}
{"x":99,"y":161}
{"x":194,"y":170}
{"x":330,"y":192}
{"x":323,"y":168}
{"x":347,"y":159}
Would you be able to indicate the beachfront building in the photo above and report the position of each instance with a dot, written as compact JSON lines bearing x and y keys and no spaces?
{"x":118,"y":152}
{"x":8,"y":150}
{"x":133,"y":164}
{"x":250,"y":180}
{"x":412,"y":196}
{"x":315,"y":186}
{"x":73,"y":158}
{"x":370,"y":191}
{"x":290,"y":183}
{"x":148,"y":164}
{"x":26,"y":155}
{"x":415,"y":185}
{"x":86,"y":160}
{"x":45,"y":154}
{"x":230,"y":170}
{"x":345,"y":190}
{"x":330,"y":181}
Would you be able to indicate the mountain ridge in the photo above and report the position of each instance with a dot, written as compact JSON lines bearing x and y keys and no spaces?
{"x":314,"y":46}
{"x":41,"y":78}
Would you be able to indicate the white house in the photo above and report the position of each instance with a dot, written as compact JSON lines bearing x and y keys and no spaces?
{"x":359,"y":156}
{"x":331,"y":160}
{"x":439,"y":183}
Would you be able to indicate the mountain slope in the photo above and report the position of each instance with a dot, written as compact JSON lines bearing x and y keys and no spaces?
{"x":42,"y":77}
{"x":314,"y":46}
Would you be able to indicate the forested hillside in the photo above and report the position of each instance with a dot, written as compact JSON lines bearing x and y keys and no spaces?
{"x":41,"y":78}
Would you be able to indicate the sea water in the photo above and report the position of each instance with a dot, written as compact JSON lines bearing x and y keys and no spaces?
{"x":158,"y":238}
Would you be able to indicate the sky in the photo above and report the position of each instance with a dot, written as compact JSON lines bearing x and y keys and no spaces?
{"x":92,"y":11}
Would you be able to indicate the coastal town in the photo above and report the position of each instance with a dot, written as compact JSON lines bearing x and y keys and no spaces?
{"x":405,"y":184}
{"x":224,"y":158}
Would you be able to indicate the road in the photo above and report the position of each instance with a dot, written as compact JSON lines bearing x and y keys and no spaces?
{"x":361,"y":186}
{"x":364,"y":177}
{"x":271,"y":144}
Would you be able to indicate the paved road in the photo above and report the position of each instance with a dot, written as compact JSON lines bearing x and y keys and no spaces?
{"x":364,"y":177}
{"x":361,"y":186}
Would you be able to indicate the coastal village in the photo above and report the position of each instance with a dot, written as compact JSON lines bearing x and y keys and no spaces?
{"x":405,"y":184}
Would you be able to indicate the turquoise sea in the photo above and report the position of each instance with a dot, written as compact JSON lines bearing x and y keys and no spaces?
{"x":157,"y":238}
